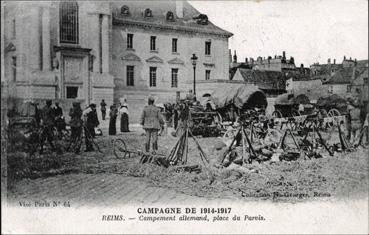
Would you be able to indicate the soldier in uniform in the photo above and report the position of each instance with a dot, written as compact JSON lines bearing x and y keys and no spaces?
{"x":354,"y":117}
{"x":92,"y":121}
{"x":59,"y":119}
{"x":75,"y":114}
{"x":151,"y":120}
{"x":103,"y":109}
{"x":48,"y":122}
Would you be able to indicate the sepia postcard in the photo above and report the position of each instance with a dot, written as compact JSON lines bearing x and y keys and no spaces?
{"x":184,"y":117}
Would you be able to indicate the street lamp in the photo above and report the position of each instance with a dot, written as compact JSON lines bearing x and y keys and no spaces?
{"x":194,"y":60}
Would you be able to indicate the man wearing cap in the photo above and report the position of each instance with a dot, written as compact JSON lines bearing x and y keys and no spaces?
{"x":48,"y":118}
{"x":92,"y":121}
{"x":151,"y":120}
{"x":59,"y":119}
{"x":103,"y":109}
{"x":75,"y":114}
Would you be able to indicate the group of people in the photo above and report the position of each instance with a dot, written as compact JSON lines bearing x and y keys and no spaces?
{"x":87,"y":120}
{"x":51,"y":117}
{"x":121,"y":110}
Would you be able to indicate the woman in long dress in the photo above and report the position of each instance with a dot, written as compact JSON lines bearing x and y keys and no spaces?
{"x":113,"y":118}
{"x":124,"y":121}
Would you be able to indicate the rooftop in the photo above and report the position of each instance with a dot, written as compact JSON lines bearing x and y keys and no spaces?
{"x":341,"y":76}
{"x":163,"y":15}
{"x":264,"y":79}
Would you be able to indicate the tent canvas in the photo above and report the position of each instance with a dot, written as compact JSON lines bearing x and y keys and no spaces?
{"x":237,"y":95}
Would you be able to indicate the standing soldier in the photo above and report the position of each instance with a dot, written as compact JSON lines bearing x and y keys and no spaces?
{"x":151,"y":120}
{"x":75,"y":114}
{"x":175,"y":116}
{"x":103,"y":109}
{"x":48,"y":118}
{"x":355,"y":118}
{"x":59,"y":119}
{"x":92,"y":121}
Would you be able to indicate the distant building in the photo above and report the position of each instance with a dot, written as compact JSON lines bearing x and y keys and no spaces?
{"x":359,"y":86}
{"x":339,"y":78}
{"x":278,"y":63}
{"x":331,"y":66}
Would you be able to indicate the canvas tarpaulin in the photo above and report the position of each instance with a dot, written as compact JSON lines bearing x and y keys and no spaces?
{"x":332,"y":101}
{"x":238,"y":95}
{"x":292,"y":99}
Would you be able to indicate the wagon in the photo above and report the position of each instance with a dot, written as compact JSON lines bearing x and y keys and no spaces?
{"x":287,"y":105}
{"x":235,"y":100}
{"x":332,"y":105}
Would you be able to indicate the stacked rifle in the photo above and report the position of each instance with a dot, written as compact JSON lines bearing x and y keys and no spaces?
{"x":179,"y":152}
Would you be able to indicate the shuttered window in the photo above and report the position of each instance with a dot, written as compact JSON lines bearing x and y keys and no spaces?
{"x":130,"y":76}
{"x":152,"y":76}
{"x":174,"y":77}
{"x":68,"y":13}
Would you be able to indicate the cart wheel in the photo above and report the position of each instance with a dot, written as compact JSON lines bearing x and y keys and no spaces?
{"x":120,"y":149}
{"x":277,"y":114}
{"x":334,"y":113}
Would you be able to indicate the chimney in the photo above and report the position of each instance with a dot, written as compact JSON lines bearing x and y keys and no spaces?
{"x":179,"y":9}
{"x":284,"y":55}
{"x":344,"y":57}
{"x":235,"y":57}
{"x":329,"y":61}
{"x":334,"y":61}
{"x":302,"y":66}
{"x":246,"y":60}
{"x":251,"y":60}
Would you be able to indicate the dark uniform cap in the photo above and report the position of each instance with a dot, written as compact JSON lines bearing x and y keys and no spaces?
{"x":151,"y":98}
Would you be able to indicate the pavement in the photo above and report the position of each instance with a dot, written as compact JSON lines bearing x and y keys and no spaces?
{"x":95,"y":190}
{"x":98,"y":189}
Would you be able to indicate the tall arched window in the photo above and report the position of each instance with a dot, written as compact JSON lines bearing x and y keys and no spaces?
{"x":68,"y":13}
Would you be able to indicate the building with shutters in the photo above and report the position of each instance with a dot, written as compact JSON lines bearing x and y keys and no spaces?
{"x":92,"y":50}
{"x":152,"y":45}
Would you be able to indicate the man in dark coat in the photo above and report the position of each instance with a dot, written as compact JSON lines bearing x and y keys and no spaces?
{"x":103,"y":109}
{"x":75,"y":114}
{"x":91,"y":122}
{"x":58,"y":111}
{"x":48,"y":122}
{"x":151,"y":120}
{"x":59,"y":119}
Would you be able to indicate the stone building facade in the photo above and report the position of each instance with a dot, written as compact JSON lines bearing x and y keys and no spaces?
{"x":57,"y":50}
{"x":92,"y":50}
{"x":153,"y":43}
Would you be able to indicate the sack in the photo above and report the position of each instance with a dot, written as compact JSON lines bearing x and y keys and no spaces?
{"x":98,"y":131}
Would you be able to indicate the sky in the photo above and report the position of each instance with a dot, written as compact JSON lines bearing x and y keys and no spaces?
{"x":309,"y":30}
